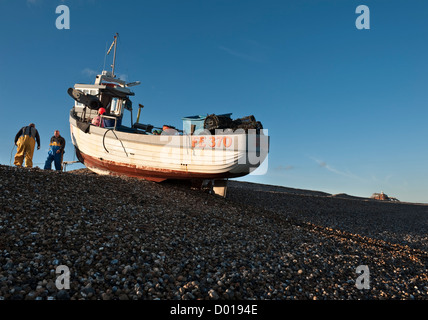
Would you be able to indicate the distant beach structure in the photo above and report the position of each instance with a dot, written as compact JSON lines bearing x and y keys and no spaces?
{"x":382,"y":196}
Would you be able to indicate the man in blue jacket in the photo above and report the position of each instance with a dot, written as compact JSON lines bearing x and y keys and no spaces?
{"x":56,"y":151}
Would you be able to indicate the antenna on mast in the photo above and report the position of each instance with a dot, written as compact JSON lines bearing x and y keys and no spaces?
{"x":114,"y":54}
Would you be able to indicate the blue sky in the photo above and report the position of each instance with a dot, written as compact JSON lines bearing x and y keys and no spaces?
{"x":346,"y":109}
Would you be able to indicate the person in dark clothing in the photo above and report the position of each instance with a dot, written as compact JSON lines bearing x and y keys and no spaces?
{"x":56,"y":152}
{"x":25,"y":140}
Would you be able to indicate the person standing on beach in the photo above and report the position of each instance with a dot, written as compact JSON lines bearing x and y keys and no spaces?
{"x":25,"y":140}
{"x":56,"y":152}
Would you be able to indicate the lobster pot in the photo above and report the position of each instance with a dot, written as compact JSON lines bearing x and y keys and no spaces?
{"x":213,"y":122}
{"x":245,"y":123}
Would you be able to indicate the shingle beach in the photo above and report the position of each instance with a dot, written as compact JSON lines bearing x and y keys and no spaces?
{"x":131,"y":239}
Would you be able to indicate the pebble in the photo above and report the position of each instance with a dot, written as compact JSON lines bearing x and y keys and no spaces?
{"x":213,"y":294}
{"x":168,"y":241}
{"x":63,"y":295}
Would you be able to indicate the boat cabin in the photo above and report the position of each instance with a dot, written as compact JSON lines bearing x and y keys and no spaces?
{"x":109,"y":93}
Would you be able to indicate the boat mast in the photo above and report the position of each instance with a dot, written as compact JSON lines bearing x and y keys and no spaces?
{"x":114,"y":54}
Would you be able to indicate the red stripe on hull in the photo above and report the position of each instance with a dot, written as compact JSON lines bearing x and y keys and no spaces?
{"x":152,"y":174}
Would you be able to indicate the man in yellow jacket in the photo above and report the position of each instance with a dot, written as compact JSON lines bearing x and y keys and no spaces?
{"x":25,"y":140}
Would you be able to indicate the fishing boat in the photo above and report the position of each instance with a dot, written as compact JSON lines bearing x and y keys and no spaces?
{"x":210,"y":148}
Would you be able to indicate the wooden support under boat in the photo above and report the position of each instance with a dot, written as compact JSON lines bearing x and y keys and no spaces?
{"x":220,"y":188}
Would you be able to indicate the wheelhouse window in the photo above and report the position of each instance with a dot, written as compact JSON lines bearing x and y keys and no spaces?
{"x":116,"y":106}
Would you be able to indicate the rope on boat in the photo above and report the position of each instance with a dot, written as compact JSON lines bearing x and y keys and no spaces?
{"x":104,"y":137}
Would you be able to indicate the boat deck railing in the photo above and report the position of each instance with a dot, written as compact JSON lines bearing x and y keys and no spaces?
{"x":108,"y":117}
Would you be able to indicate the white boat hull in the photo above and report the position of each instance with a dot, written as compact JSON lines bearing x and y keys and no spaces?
{"x":161,"y":157}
